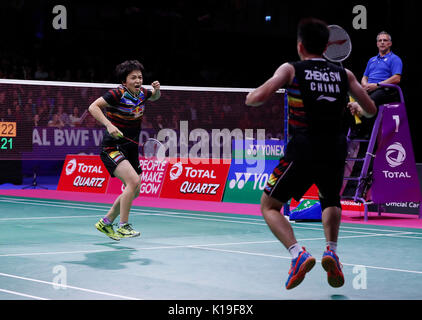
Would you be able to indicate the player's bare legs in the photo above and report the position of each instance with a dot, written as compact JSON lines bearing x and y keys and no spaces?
{"x":331,"y":219}
{"x":131,"y":180}
{"x":302,"y":261}
{"x":122,"y":205}
{"x":115,"y":209}
{"x":280,"y":227}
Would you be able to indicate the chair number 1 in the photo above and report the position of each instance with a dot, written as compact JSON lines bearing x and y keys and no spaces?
{"x":397,"y":120}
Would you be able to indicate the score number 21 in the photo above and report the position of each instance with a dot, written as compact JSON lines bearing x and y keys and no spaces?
{"x":6,"y":143}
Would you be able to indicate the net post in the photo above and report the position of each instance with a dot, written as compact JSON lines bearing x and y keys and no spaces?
{"x":286,"y":211}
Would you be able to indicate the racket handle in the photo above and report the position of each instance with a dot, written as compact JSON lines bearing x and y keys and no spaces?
{"x":357,"y":119}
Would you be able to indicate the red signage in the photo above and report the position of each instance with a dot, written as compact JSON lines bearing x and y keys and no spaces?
{"x":83,"y":174}
{"x":312,"y":194}
{"x":194,"y":180}
{"x":152,"y":178}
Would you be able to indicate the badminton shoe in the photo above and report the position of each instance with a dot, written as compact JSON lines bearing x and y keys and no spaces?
{"x":107,"y":229}
{"x":298,"y":269}
{"x":126,"y":231}
{"x":331,"y":263}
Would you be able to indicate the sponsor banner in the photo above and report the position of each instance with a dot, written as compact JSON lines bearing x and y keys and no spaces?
{"x":245,"y":183}
{"x":402,"y":207}
{"x":188,"y":178}
{"x":307,"y":210}
{"x":395,"y":174}
{"x":352,"y":205}
{"x":55,"y":144}
{"x":312,"y":194}
{"x":258,"y":149}
{"x":83,"y":174}
{"x":152,"y":178}
{"x":252,"y":164}
{"x":398,"y":207}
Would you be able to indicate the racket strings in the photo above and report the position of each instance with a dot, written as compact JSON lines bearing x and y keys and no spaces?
{"x":339,"y":44}
{"x":151,"y":148}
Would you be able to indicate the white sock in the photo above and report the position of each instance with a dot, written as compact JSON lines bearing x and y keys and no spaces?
{"x":332,"y":245}
{"x":295,"y":250}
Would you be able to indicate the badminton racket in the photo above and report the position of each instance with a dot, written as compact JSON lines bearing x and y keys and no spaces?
{"x":339,"y":45}
{"x":151,"y":148}
{"x":338,"y":49}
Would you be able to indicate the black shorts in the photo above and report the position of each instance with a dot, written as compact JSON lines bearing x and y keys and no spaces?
{"x":291,"y":179}
{"x":113,"y":155}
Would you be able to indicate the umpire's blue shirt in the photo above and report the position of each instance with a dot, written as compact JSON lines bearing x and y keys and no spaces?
{"x":381,"y":68}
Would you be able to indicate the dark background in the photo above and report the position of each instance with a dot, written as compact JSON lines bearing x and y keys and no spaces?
{"x":223,"y":43}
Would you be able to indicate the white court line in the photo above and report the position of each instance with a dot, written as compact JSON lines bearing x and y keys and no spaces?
{"x":137,"y":208}
{"x":22,"y":294}
{"x":69,"y":287}
{"x":167,"y":213}
{"x":51,"y":205}
{"x":173,"y":214}
{"x":289,"y":258}
{"x":134,"y":209}
{"x":395,"y":234}
{"x":180,"y":246}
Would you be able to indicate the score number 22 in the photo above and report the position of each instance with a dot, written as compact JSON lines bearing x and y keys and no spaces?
{"x":7,"y":129}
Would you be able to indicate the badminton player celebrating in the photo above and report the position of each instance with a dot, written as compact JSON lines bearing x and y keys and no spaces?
{"x":124,"y":108}
{"x":316,"y":151}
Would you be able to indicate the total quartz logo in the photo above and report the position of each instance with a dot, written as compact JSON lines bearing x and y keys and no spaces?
{"x":395,"y":155}
{"x":83,"y":174}
{"x":187,"y":179}
{"x":176,"y":170}
{"x":70,"y":167}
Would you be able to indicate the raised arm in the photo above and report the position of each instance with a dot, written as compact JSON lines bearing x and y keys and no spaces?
{"x":283,"y":75}
{"x":156,"y":93}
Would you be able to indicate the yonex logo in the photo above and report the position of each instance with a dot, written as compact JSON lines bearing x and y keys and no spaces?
{"x":176,"y":171}
{"x":255,"y":180}
{"x":395,"y":154}
{"x":70,"y":167}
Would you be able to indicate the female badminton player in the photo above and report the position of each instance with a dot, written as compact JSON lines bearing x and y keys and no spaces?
{"x":124,"y":108}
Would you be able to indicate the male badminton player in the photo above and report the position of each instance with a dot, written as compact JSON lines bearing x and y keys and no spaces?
{"x":124,"y":108}
{"x":316,"y":151}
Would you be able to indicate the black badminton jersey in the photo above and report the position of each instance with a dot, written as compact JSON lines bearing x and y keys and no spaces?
{"x":318,"y":97}
{"x":125,"y":111}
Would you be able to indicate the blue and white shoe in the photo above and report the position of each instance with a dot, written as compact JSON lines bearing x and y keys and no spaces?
{"x":331,"y":263}
{"x":298,"y":269}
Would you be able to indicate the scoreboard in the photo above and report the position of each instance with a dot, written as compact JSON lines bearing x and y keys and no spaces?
{"x":15,"y":138}
{"x":7,"y":135}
